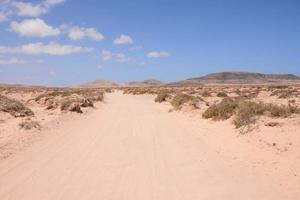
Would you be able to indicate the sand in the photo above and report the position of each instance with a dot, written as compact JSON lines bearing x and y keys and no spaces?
{"x":132,"y":148}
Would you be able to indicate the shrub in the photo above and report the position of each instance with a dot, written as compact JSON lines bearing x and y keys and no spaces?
{"x":222,"y":94}
{"x":180,"y":99}
{"x":246,"y":113}
{"x":222,"y":110}
{"x":71,"y":105}
{"x":278,"y":111}
{"x":162,"y":96}
{"x":206,"y":93}
{"x":13,"y":107}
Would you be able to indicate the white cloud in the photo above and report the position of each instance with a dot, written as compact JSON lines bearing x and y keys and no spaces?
{"x":119,"y":57}
{"x":29,"y":9}
{"x":158,"y":54}
{"x":77,"y":33}
{"x":34,"y":28}
{"x":123,"y":39}
{"x":40,"y":48}
{"x":34,"y":10}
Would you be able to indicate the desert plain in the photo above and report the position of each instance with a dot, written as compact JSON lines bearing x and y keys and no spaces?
{"x":150,"y":142}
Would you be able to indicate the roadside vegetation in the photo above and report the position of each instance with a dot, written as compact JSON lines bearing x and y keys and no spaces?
{"x":14,"y":107}
{"x":242,"y":105}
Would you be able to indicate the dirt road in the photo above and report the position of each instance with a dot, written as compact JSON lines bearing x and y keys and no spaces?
{"x":129,"y":149}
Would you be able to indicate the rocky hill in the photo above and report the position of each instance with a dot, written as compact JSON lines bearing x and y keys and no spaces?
{"x":239,"y":78}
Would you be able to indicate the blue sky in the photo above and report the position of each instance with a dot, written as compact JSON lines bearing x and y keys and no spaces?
{"x":69,"y":42}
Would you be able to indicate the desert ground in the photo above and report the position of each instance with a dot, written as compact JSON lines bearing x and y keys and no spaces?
{"x":185,"y":143}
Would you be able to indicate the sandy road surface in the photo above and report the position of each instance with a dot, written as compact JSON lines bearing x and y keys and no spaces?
{"x":129,"y":149}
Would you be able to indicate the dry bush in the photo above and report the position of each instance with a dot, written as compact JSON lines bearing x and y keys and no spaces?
{"x":285,"y":93}
{"x":93,"y":94}
{"x":162,"y":96}
{"x":247,"y":113}
{"x":221,"y":111}
{"x":222,"y":94}
{"x":180,"y":99}
{"x":292,"y":101}
{"x":28,"y":125}
{"x":70,"y":105}
{"x":13,"y":107}
{"x":273,"y":87}
{"x":75,"y":104}
{"x":206,"y":93}
{"x":281,"y":110}
{"x":70,"y":99}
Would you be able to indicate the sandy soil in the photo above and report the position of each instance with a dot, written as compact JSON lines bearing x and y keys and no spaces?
{"x":133,"y":148}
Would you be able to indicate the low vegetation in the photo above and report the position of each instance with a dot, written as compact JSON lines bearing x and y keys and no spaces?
{"x":222,"y":94}
{"x":14,"y":107}
{"x":180,"y":99}
{"x":221,"y":111}
{"x":162,"y":96}
{"x":247,"y":112}
{"x":69,"y":99}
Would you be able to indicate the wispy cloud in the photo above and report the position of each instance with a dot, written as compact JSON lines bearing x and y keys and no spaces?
{"x":3,"y":16}
{"x":77,"y":33}
{"x":17,"y":61}
{"x":119,"y":57}
{"x":34,"y":28}
{"x":158,"y":54}
{"x":135,"y":48}
{"x":40,"y":48}
{"x":33,"y":10}
{"x":123,"y":39}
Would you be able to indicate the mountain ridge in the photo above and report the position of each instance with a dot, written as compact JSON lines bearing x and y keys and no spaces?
{"x":239,"y":78}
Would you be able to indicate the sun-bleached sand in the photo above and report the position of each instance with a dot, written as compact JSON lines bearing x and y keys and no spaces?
{"x":132,"y":148}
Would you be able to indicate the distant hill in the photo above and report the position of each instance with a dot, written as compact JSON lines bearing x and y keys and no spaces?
{"x":99,"y":83}
{"x":150,"y":82}
{"x":239,"y":78}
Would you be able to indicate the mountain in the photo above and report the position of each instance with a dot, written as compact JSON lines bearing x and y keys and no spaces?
{"x":150,"y":82}
{"x":239,"y":78}
{"x":99,"y":84}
